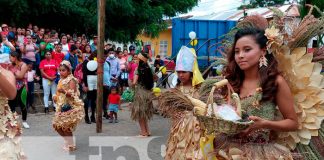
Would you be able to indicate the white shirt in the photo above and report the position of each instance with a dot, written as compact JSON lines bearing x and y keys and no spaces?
{"x":30,"y":76}
{"x":65,"y":48}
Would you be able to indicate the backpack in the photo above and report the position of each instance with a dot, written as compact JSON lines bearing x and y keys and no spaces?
{"x":78,"y":74}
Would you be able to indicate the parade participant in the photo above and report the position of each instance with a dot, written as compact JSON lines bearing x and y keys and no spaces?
{"x":185,"y":131}
{"x":10,"y":148}
{"x":142,"y":107}
{"x":19,"y":69}
{"x":261,"y":88}
{"x":69,"y":110}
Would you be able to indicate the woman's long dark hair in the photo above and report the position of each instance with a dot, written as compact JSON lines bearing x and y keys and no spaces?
{"x":145,"y":75}
{"x":267,"y":74}
{"x":16,"y":55}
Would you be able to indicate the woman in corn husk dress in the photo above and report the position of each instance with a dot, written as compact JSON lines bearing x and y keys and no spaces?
{"x":183,"y":141}
{"x":142,"y":108}
{"x":254,"y":75}
{"x":69,"y":110}
{"x":10,"y":129}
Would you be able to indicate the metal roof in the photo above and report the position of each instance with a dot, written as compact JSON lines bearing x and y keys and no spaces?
{"x":234,"y":14}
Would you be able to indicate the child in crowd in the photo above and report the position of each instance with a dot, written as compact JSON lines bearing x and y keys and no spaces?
{"x":113,"y":104}
{"x":31,"y":75}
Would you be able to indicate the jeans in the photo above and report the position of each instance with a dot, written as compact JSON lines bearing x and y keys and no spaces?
{"x":17,"y":101}
{"x":49,"y":87}
{"x":30,"y":94}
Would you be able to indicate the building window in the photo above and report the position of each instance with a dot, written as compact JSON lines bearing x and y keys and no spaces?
{"x":163,"y":48}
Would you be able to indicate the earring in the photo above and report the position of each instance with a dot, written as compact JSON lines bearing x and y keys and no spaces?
{"x":263,"y":61}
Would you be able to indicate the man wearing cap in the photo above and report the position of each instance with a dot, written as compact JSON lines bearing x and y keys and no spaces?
{"x":5,"y":29}
{"x":93,"y":46}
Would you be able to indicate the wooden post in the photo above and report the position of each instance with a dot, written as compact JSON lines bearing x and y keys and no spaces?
{"x":100,"y":52}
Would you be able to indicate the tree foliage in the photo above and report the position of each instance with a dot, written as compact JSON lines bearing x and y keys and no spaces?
{"x":125,"y":19}
{"x":262,"y":3}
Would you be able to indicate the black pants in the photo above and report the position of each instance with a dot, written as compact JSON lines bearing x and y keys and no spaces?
{"x":30,"y":94}
{"x":91,"y":99}
{"x":17,"y":101}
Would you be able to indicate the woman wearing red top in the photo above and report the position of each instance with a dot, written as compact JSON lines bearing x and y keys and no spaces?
{"x":48,"y":68}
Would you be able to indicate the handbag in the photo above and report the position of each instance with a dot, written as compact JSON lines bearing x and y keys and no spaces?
{"x":66,"y":107}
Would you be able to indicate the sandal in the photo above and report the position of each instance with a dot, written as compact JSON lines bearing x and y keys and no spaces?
{"x":72,"y":148}
{"x":142,"y":136}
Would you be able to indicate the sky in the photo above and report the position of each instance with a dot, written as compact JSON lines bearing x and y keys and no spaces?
{"x":206,"y":7}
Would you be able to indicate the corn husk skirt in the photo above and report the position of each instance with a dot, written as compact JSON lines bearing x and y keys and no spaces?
{"x":67,"y":121}
{"x":142,"y":107}
{"x":10,"y":133}
{"x":183,"y":141}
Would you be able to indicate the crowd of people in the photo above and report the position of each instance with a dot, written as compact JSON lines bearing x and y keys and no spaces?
{"x":34,"y":56}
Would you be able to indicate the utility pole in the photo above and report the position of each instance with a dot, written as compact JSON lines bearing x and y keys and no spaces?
{"x":100,"y":52}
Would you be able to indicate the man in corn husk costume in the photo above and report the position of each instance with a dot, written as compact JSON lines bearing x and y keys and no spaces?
{"x":183,"y":142}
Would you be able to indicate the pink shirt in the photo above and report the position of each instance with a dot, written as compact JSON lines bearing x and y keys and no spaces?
{"x":122,"y":63}
{"x":133,"y":67}
{"x":30,"y":52}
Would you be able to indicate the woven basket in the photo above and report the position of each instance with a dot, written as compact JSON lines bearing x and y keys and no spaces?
{"x":215,"y":124}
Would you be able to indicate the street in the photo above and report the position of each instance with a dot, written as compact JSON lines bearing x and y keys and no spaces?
{"x":117,"y":140}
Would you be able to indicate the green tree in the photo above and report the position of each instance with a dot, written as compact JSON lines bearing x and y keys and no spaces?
{"x":125,"y":19}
